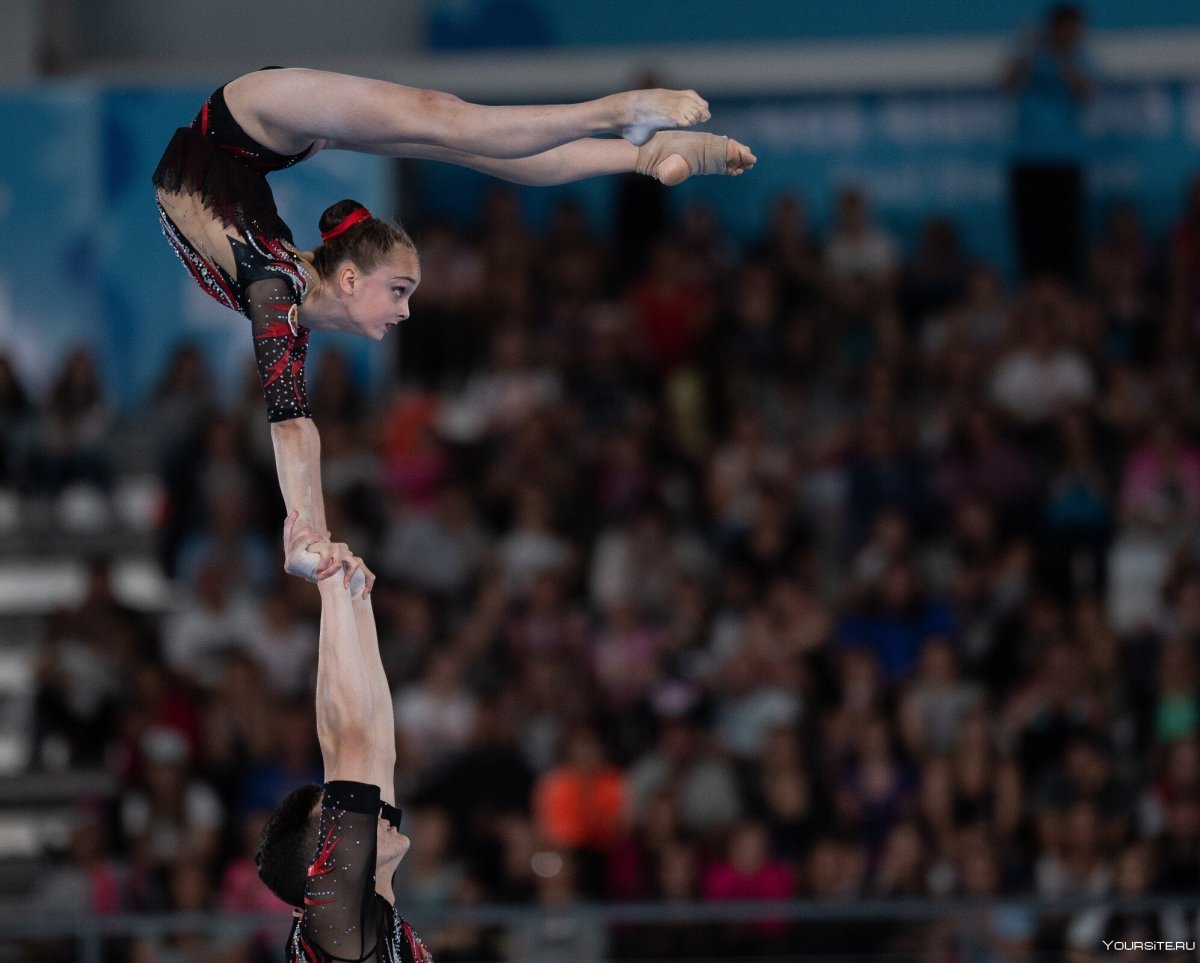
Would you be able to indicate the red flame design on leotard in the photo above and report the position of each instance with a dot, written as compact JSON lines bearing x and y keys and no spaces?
{"x":309,"y":953}
{"x":277,"y":329}
{"x":323,"y":865}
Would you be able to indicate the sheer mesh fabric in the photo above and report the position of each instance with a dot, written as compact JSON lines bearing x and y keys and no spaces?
{"x":280,"y":347}
{"x":340,"y":919}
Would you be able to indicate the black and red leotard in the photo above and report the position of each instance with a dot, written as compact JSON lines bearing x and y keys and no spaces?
{"x":344,"y":920}
{"x":217,"y":160}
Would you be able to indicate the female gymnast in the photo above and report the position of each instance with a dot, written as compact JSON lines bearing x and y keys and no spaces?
{"x":219,"y":214}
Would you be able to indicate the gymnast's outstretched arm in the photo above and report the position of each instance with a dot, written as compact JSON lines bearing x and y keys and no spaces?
{"x":280,"y":351}
{"x":353,"y":708}
{"x":289,"y":109}
{"x":355,"y":725}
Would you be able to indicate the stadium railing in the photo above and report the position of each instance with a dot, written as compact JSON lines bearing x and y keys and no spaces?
{"x":90,"y":937}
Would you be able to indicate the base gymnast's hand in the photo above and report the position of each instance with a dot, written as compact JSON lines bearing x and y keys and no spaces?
{"x":312,"y":556}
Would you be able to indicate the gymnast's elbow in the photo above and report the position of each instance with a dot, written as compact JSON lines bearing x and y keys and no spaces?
{"x":345,"y":732}
{"x":298,"y":427}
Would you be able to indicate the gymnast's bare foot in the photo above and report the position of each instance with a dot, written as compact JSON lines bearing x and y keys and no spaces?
{"x":671,"y":157}
{"x":641,"y":112}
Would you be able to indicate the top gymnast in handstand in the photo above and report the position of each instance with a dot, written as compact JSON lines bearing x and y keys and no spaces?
{"x":218,"y":211}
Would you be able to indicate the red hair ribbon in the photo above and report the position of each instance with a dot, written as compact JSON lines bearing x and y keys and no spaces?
{"x":347,"y":222}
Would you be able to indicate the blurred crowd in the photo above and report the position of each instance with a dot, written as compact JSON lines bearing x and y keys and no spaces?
{"x":828,"y":567}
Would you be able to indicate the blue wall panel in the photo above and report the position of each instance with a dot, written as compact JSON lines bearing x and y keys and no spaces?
{"x":515,"y":23}
{"x":50,"y":193}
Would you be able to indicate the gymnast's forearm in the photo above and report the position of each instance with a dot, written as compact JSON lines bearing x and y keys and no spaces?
{"x":298,"y":464}
{"x":383,"y":759}
{"x":345,"y":695}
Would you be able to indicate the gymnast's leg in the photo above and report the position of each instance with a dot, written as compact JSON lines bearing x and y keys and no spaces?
{"x":669,"y":156}
{"x":289,"y":109}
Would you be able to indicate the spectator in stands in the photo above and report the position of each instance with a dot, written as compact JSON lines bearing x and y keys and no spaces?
{"x":1178,"y":854}
{"x":580,"y":805}
{"x":835,"y":872}
{"x":291,"y":758}
{"x":284,"y":643}
{"x":241,"y":891}
{"x":1160,"y":490}
{"x":936,"y":277}
{"x":755,"y":695}
{"x":671,"y":304}
{"x":191,"y":892}
{"x":218,"y":618}
{"x":1042,"y":375}
{"x":874,"y":791}
{"x":625,"y":654}
{"x":746,"y":463}
{"x":500,"y":398}
{"x":16,"y":422}
{"x":182,"y":399}
{"x":747,"y":872}
{"x":902,"y":869}
{"x":171,"y":820}
{"x":858,"y":250}
{"x":1049,"y":711}
{"x":228,"y":540}
{"x":1078,"y":865}
{"x":533,"y":546}
{"x":896,"y":620}
{"x":241,"y":722}
{"x":79,"y":684}
{"x":979,"y":462}
{"x":1052,"y":78}
{"x":74,"y":429}
{"x":430,"y":876}
{"x":998,"y":935}
{"x":791,"y":249}
{"x":1185,"y":261}
{"x":1177,"y":707}
{"x":436,"y":714}
{"x":1090,"y":931}
{"x":886,"y":472}
{"x":440,"y":551}
{"x":554,"y":932}
{"x":937,"y":701}
{"x":709,"y":797}
{"x":89,"y":880}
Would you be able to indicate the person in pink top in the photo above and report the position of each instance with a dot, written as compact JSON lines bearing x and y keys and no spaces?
{"x":1160,"y":489}
{"x":751,"y":873}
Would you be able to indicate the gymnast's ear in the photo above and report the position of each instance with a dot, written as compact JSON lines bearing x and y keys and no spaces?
{"x":347,"y":276}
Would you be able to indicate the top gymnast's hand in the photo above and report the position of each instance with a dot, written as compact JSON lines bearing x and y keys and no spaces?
{"x":310,"y":555}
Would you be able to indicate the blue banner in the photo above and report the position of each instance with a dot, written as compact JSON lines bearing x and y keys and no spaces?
{"x":466,"y":24}
{"x":50,"y":279}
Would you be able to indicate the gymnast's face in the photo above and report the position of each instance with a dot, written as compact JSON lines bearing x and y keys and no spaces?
{"x":391,"y":845}
{"x":380,"y":300}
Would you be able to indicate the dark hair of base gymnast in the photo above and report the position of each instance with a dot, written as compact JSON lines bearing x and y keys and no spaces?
{"x":287,"y":844}
{"x":366,"y":245}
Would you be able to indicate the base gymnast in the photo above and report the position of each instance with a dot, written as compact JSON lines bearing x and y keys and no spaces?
{"x":331,"y":850}
{"x":218,"y":212}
